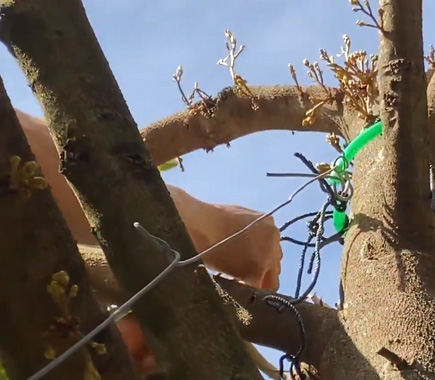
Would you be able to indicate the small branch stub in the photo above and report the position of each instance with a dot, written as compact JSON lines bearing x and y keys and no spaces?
{"x":394,"y":359}
{"x":365,"y":8}
{"x":241,"y":84}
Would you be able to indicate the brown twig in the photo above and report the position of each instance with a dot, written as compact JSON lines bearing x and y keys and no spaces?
{"x":367,"y":10}
{"x":295,"y":79}
{"x":357,"y":79}
{"x":206,"y":103}
{"x":241,"y":84}
{"x":316,"y":74}
{"x":177,"y":78}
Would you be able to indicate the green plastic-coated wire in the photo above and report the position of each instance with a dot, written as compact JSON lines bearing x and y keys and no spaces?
{"x":367,"y":135}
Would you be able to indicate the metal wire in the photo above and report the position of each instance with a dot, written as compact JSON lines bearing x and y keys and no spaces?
{"x":324,"y":185}
{"x":328,"y":215}
{"x":279,"y":303}
{"x":300,"y":217}
{"x":115,"y":315}
{"x":124,"y":308}
{"x":338,"y":199}
{"x":231,"y":237}
{"x":317,"y":259}
{"x":297,"y":175}
{"x":301,"y":266}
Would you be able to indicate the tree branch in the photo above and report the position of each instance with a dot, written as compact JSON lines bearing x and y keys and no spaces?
{"x":280,"y":107}
{"x":104,"y":158}
{"x":277,"y":330}
{"x":391,"y":224}
{"x":404,"y":115}
{"x":35,"y":243}
{"x":267,"y":327}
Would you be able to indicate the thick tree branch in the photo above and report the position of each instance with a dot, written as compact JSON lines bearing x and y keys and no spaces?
{"x":35,"y":243}
{"x":280,"y":107}
{"x":104,"y":158}
{"x":404,"y":115}
{"x":270,"y":328}
{"x":388,"y":262}
{"x":267,"y":327}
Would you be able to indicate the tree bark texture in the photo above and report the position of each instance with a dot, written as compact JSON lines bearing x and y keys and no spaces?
{"x":104,"y":158}
{"x":279,"y":107}
{"x":388,"y":265}
{"x":404,"y":113}
{"x":35,"y":243}
{"x":388,"y":262}
{"x":266,"y":326}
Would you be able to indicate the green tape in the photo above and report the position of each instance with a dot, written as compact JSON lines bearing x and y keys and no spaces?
{"x":367,"y":135}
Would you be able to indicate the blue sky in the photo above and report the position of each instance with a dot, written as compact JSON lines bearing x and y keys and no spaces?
{"x":144,"y":42}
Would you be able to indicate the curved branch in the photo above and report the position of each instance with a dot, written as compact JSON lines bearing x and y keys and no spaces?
{"x":280,"y":107}
{"x":280,"y":330}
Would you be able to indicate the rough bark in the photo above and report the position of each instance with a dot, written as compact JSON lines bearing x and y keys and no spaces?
{"x":431,"y":121}
{"x":35,"y":243}
{"x":280,"y":107}
{"x":404,"y":114}
{"x":277,"y":330}
{"x":431,"y":107}
{"x":100,"y":149}
{"x":388,"y":262}
{"x":267,"y":327}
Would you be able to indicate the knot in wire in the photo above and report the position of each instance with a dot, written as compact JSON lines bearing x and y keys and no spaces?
{"x":313,"y":227}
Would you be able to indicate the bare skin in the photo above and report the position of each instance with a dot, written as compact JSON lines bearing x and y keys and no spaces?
{"x":253,"y":257}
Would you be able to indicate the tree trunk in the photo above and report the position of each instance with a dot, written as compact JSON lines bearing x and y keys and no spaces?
{"x":104,"y":158}
{"x":388,"y":265}
{"x":35,"y":243}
